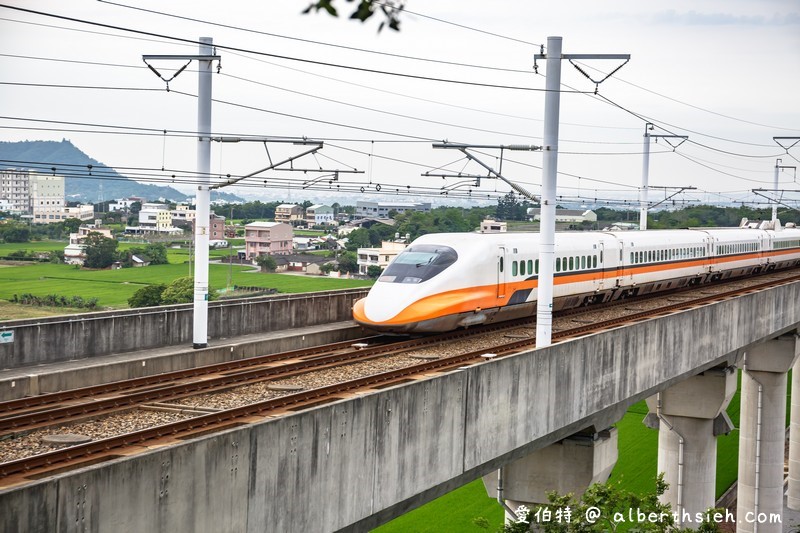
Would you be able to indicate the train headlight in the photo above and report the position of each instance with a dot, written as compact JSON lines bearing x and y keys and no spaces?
{"x":411,"y":279}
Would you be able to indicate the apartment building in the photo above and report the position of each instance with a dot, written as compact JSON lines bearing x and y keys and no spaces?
{"x":155,"y":217}
{"x":272,"y":238}
{"x":381,"y":257}
{"x":319,"y":214}
{"x":288,"y":213}
{"x":14,"y":191}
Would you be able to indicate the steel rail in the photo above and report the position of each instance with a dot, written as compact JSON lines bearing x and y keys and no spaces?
{"x":38,"y":465}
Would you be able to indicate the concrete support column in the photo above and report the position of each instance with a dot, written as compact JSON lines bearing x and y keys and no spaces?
{"x":763,"y":435}
{"x":793,"y":493}
{"x":570,"y":465}
{"x":689,"y":416}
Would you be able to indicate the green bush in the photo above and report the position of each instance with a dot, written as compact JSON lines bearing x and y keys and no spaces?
{"x":147,"y":296}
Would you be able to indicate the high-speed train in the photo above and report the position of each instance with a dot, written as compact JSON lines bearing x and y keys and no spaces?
{"x":444,"y":281}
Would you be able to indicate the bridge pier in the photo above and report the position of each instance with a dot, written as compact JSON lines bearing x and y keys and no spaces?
{"x":570,"y":465}
{"x":689,"y":416}
{"x":793,"y":492}
{"x":763,"y":434}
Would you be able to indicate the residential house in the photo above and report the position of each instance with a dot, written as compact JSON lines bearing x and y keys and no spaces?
{"x":182,"y":216}
{"x":140,"y":260}
{"x":318,"y":214}
{"x":381,"y":257}
{"x":272,"y":238}
{"x":216,"y":228}
{"x":74,"y":253}
{"x":288,"y":213}
{"x":492,"y":226}
{"x":309,"y":264}
{"x":124,"y":204}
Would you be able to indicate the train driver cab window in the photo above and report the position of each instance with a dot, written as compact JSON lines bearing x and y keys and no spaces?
{"x":420,"y":263}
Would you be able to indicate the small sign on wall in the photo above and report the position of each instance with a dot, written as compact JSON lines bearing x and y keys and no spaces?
{"x":6,"y":336}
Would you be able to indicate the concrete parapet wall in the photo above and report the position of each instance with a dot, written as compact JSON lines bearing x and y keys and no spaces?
{"x":64,"y":338}
{"x":356,"y":463}
{"x":84,"y":373}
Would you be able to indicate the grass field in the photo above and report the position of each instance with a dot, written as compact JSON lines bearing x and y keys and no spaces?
{"x":114,"y":287}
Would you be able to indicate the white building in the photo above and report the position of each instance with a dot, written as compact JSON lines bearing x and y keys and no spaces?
{"x":124,"y":204}
{"x":382,"y":209}
{"x":381,"y":257}
{"x":14,"y":191}
{"x":82,"y":212}
{"x":493,"y":226}
{"x":181,"y":213}
{"x":575,"y":216}
{"x":74,"y":252}
{"x":155,"y":217}
{"x":319,"y":214}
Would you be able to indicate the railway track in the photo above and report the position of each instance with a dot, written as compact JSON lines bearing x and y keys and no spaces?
{"x":108,"y":448}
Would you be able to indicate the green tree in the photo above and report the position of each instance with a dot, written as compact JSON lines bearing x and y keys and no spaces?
{"x":616,"y":509}
{"x":358,"y":239}
{"x":348,"y":263}
{"x":15,"y":233}
{"x":71,"y":225}
{"x":373,"y":271}
{"x":181,"y":291}
{"x":147,"y":296}
{"x":100,"y":250}
{"x":267,"y":263}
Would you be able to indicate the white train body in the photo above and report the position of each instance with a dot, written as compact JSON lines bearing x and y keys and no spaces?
{"x":445,"y":281}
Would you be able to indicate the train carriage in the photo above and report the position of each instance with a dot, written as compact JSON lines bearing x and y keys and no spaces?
{"x":450,"y":280}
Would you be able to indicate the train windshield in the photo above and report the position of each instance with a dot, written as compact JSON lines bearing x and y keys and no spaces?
{"x":419,"y":263}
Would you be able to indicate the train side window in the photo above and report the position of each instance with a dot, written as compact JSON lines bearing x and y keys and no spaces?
{"x":571,"y":263}
{"x":558,"y":264}
{"x":501,"y":264}
{"x":583,"y":262}
{"x":530,"y":267}
{"x":601,"y":256}
{"x":631,"y":257}
{"x":513,"y":268}
{"x":522,"y":268}
{"x":537,"y":266}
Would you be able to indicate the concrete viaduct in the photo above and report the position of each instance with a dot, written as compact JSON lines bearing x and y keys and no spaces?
{"x":356,"y":463}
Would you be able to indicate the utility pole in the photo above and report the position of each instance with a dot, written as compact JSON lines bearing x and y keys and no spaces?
{"x":779,"y":141}
{"x":205,"y":58}
{"x":547,"y":224}
{"x":643,"y":199}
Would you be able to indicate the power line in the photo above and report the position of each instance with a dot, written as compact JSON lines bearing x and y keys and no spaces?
{"x":310,"y":41}
{"x":653,"y":120}
{"x":277,"y":56}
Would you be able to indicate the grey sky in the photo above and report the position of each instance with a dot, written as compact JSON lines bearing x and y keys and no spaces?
{"x":723,"y":72}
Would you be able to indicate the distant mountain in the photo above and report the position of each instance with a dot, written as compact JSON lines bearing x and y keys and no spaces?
{"x":68,"y":159}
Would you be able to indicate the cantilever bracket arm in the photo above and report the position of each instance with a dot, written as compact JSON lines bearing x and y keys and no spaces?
{"x":232,"y":181}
